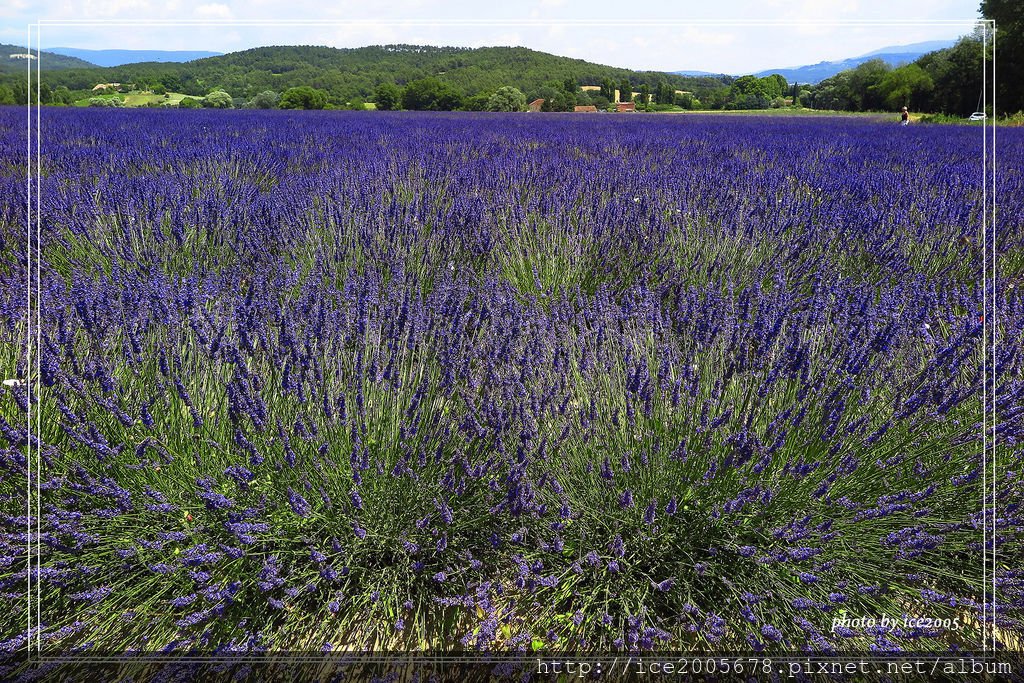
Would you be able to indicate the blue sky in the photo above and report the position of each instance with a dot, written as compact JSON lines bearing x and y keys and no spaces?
{"x":643,"y":35}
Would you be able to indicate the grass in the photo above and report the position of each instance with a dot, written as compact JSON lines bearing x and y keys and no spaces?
{"x":138,"y":98}
{"x":789,"y":111}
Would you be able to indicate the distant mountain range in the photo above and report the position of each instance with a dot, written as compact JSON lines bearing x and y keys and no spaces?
{"x":893,"y":55}
{"x":120,"y":57}
{"x":916,"y":49}
{"x":708,"y":74}
{"x":14,"y":57}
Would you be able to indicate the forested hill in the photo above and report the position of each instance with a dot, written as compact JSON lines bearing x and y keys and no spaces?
{"x":356,"y":72}
{"x":12,"y":60}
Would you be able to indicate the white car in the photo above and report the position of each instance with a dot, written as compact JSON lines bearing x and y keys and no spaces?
{"x":977,"y":116}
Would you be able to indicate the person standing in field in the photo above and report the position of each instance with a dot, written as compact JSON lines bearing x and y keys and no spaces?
{"x":905,"y":116}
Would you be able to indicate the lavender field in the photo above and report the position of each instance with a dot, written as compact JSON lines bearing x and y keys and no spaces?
{"x":327,"y":380}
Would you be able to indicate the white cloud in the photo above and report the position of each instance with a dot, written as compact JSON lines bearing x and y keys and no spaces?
{"x":641,"y":42}
{"x":102,"y":9}
{"x":555,"y":30}
{"x":703,"y":36}
{"x":508,"y":38}
{"x":354,"y":35}
{"x":215,"y":10}
{"x":823,"y":10}
{"x":13,"y":8}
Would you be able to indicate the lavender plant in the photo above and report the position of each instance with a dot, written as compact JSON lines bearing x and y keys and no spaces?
{"x":454,"y":382}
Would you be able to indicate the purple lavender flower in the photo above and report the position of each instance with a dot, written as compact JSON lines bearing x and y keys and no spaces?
{"x":651,"y":512}
{"x":298,"y":503}
{"x":216,"y":501}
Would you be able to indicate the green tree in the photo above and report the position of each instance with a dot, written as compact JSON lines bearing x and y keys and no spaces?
{"x":507,"y":98}
{"x":775,"y":86}
{"x":218,"y":99}
{"x":1009,"y":41}
{"x":267,"y":99}
{"x":430,"y":94}
{"x":476,"y":102}
{"x":62,"y":96}
{"x":556,"y":99}
{"x":607,"y":89}
{"x":864,"y":82}
{"x":20,"y":90}
{"x":171,"y":82}
{"x":906,"y":86}
{"x":388,"y":97}
{"x":664,"y":93}
{"x":645,"y":95}
{"x":956,"y":73}
{"x":186,"y":103}
{"x":625,"y":91}
{"x":834,"y":93}
{"x":114,"y":101}
{"x":684,"y":100}
{"x":600,"y":101}
{"x":6,"y":95}
{"x":717,"y":98}
{"x":303,"y":97}
{"x":748,"y":92}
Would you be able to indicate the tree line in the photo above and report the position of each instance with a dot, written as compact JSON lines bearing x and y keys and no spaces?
{"x":947,"y":81}
{"x":349,"y":75}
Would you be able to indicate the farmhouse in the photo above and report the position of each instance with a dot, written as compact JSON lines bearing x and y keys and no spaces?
{"x":536,"y":104}
{"x":585,"y":108}
{"x":625,"y":106}
{"x":106,"y":86}
{"x":23,"y":55}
